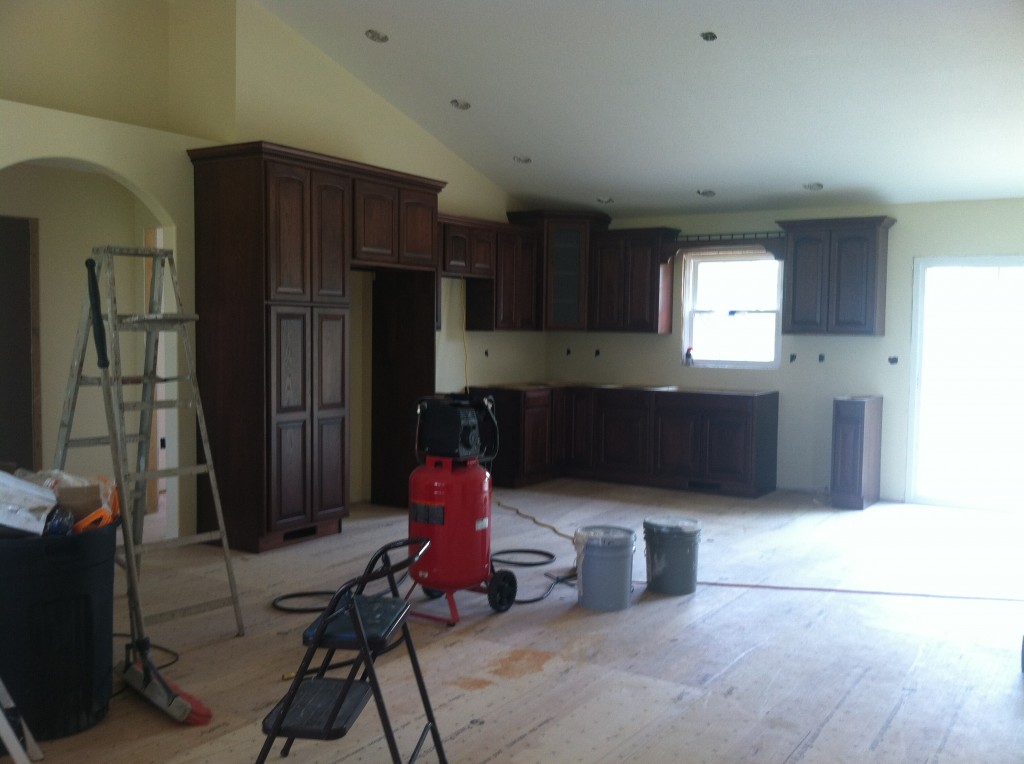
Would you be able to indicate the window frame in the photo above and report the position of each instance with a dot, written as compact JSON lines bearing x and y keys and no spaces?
{"x":745,"y":252}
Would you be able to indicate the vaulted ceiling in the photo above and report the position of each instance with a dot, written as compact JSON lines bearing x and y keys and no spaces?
{"x":572,"y":101}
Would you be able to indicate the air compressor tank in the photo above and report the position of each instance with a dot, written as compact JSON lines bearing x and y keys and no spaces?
{"x":450,"y":504}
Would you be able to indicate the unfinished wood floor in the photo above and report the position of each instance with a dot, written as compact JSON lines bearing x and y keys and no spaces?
{"x":802,"y":643}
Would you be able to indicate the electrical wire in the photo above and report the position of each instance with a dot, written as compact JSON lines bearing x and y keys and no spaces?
{"x":531,"y":518}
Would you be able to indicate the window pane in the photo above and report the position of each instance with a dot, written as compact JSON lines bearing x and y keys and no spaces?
{"x":737,"y":285}
{"x":738,"y":337}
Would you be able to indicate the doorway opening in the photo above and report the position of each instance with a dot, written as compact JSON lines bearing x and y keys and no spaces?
{"x":966,"y":447}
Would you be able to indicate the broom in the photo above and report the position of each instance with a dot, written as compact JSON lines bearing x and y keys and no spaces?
{"x":137,"y":670}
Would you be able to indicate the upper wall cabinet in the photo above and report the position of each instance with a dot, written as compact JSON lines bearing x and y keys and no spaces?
{"x":511,"y":301}
{"x":631,"y":280}
{"x":467,"y":247}
{"x":395,"y":225}
{"x":835,"y":275}
{"x":565,"y":242}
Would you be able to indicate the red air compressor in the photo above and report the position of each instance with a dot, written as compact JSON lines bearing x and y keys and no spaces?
{"x":450,"y":503}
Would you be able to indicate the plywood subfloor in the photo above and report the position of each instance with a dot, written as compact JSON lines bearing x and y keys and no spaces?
{"x":815,"y":635}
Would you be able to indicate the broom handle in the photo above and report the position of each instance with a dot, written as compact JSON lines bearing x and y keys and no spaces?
{"x":100,"y":336}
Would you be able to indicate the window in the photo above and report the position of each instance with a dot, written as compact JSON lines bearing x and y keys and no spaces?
{"x":731,"y":313}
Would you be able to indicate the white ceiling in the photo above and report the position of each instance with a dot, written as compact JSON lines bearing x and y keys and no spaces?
{"x":881,"y":101}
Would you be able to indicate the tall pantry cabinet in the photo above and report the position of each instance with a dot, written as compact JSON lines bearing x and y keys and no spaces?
{"x":273,"y":245}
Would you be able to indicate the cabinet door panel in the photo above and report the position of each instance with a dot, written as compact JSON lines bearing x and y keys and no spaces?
{"x":622,"y":432}
{"x":456,"y":249}
{"x":482,"y":244}
{"x":330,"y":411}
{"x":527,"y":288}
{"x":579,"y":442}
{"x":806,"y":275}
{"x":536,"y":439}
{"x":418,"y":226}
{"x":287,"y":241}
{"x":376,"y":223}
{"x":566,"y":276}
{"x":728,"y":447}
{"x":289,"y":486}
{"x":677,"y":443}
{"x":505,"y":282}
{"x":331,"y":236}
{"x":640,"y":310}
{"x":289,"y":416}
{"x":851,"y":298}
{"x":608,"y":277}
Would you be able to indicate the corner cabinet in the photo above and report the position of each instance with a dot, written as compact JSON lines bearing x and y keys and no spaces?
{"x":631,"y":280}
{"x":835,"y":273}
{"x":565,"y":254}
{"x":275,"y":230}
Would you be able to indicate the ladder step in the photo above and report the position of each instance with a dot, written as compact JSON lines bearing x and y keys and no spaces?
{"x":164,"y":403}
{"x":155,"y":321}
{"x":133,"y":251}
{"x":195,"y":469}
{"x":138,"y":380}
{"x":98,"y":440}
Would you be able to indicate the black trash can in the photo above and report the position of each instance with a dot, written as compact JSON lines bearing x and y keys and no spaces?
{"x":56,"y":628}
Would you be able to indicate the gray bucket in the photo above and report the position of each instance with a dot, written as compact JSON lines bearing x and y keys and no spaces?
{"x":672,"y":554}
{"x":604,"y":566}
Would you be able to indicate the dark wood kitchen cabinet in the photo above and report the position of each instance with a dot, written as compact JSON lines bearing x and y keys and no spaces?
{"x":467,"y":247}
{"x":720,"y":441}
{"x":565,"y":254}
{"x":622,"y":424}
{"x":856,"y":451}
{"x":512,"y":301}
{"x":631,"y":280}
{"x":275,"y":230}
{"x":524,"y":415}
{"x":273,"y":242}
{"x":834,"y":275}
{"x":395,"y":225}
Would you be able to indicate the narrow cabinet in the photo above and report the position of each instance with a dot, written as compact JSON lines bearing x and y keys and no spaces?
{"x":856,"y":451}
{"x":834,"y":275}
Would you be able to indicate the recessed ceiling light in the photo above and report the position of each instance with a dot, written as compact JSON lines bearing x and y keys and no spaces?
{"x":708,"y":36}
{"x":813,"y":186}
{"x":521,"y":159}
{"x":707,"y":193}
{"x":605,"y":200}
{"x":458,"y":103}
{"x":374,"y":36}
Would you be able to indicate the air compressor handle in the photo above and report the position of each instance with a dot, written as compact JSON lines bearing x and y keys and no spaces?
{"x":98,"y":332}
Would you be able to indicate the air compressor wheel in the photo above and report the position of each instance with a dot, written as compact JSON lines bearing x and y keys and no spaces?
{"x":501,"y":590}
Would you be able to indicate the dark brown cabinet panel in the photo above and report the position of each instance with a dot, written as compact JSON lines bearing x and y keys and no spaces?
{"x":622,"y":424}
{"x":524,"y":415}
{"x":835,"y":272}
{"x":716,"y":441}
{"x":512,"y":300}
{"x":565,"y":255}
{"x":856,"y":451}
{"x":631,"y":280}
{"x":394,"y":225}
{"x":275,"y":233}
{"x":467,"y":249}
{"x":376,"y":223}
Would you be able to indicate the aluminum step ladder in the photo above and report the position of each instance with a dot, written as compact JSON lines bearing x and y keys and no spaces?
{"x":137,"y":473}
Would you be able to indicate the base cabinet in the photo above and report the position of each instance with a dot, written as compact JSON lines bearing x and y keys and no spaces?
{"x":726,"y":442}
{"x":709,"y":441}
{"x":856,"y":451}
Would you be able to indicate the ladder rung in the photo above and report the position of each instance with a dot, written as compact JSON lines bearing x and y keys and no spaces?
{"x":132,"y":251}
{"x":93,"y":381}
{"x":154,"y":321}
{"x":166,"y":403}
{"x":197,"y":469}
{"x":98,"y":440}
{"x":155,"y":379}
